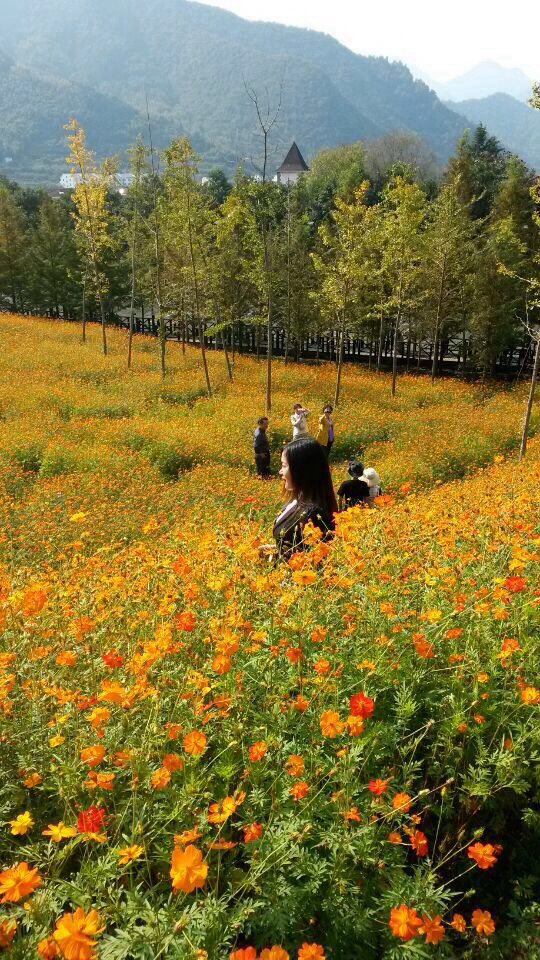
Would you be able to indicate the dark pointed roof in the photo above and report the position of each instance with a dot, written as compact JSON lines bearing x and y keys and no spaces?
{"x":294,"y":162}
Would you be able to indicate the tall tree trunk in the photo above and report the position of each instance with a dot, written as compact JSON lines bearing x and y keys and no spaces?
{"x":84,"y":307}
{"x":197,"y":303}
{"x":103,"y":323}
{"x":132,"y":304}
{"x":269,"y":358}
{"x":396,"y":331}
{"x":340,"y":359}
{"x":528,"y":411}
{"x":226,"y":352}
{"x":381,"y":340}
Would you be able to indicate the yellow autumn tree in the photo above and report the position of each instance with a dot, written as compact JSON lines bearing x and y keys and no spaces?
{"x":92,"y":219}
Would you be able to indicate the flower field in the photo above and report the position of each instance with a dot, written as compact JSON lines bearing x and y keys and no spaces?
{"x":205,"y":755}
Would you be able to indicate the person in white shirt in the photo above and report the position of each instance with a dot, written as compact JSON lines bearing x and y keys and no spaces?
{"x":373,"y":480}
{"x":299,"y":421}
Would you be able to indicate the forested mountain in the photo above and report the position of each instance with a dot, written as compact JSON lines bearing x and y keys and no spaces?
{"x":514,"y":123}
{"x":194,"y":60}
{"x":34,"y":110}
{"x":483,"y":80}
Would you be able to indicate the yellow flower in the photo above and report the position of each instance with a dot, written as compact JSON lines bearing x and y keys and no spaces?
{"x":59,"y":831}
{"x":127,"y":854}
{"x":21,"y":824}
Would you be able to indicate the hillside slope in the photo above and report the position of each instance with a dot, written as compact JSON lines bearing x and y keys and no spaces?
{"x":514,"y":123}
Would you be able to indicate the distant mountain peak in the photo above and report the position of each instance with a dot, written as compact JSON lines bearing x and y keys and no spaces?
{"x":485,"y":79}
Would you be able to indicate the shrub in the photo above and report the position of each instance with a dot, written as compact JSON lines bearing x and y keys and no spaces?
{"x":29,"y":458}
{"x":56,"y":462}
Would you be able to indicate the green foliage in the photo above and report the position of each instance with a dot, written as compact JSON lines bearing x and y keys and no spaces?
{"x":28,"y":458}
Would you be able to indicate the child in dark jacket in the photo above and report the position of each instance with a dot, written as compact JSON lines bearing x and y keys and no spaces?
{"x":261,"y":448}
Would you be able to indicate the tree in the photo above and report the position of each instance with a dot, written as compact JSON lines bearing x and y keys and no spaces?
{"x":477,"y":167}
{"x":346,"y":263}
{"x":139,"y":168}
{"x":92,"y":221}
{"x":449,"y":247}
{"x":404,"y":206}
{"x":218,"y":188}
{"x":186,"y":220}
{"x":55,"y":273}
{"x":12,"y":250}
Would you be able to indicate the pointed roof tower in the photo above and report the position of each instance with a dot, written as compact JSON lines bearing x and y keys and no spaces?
{"x":293,"y":163}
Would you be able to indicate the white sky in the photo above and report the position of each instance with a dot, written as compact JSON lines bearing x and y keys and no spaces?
{"x":441,"y":38}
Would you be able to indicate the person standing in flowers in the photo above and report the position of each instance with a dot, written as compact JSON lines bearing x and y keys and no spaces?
{"x":325,"y":435}
{"x":299,"y":421}
{"x":261,"y":448}
{"x":309,"y":495}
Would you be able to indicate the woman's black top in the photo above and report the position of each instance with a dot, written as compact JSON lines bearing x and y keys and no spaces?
{"x":353,"y":492}
{"x":288,"y":529}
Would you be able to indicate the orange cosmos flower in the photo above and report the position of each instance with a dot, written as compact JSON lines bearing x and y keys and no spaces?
{"x":59,"y":831}
{"x":401,"y":802}
{"x":257,"y":751}
{"x":245,"y":953}
{"x":404,"y":922}
{"x":274,"y":953}
{"x":458,"y":923}
{"x":7,"y":932}
{"x":252,"y":832}
{"x":299,"y":790}
{"x":32,"y":780}
{"x":355,"y":725}
{"x":484,"y":854}
{"x":303,"y":578}
{"x":330,"y":723}
{"x":194,"y":743}
{"x":530,"y":696}
{"x":321,"y":666}
{"x":311,"y":951}
{"x":295,"y":765}
{"x":424,"y":648}
{"x":172,"y":762}
{"x":482,"y":922}
{"x":160,"y":778}
{"x":300,"y":703}
{"x":187,"y":869}
{"x":219,"y":812}
{"x":33,"y":601}
{"x":187,"y":836}
{"x":419,"y":843}
{"x":47,"y":949}
{"x":75,"y":934}
{"x":66,"y":658}
{"x":92,"y":756}
{"x":394,"y":837}
{"x":432,"y":928}
{"x":18,"y":882}
{"x":185,"y":621}
{"x":127,"y":854}
{"x":352,"y":814}
{"x":21,"y":824}
{"x":293,"y":654}
{"x":221,"y":663}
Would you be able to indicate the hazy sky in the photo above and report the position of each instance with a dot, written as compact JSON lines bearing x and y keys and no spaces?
{"x":443,"y":39}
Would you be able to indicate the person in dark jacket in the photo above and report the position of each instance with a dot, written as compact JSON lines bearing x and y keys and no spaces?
{"x":354,"y":491}
{"x":261,"y":448}
{"x":310,"y":495}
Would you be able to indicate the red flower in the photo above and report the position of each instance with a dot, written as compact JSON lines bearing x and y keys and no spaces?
{"x":91,"y":819}
{"x":112,"y":659}
{"x":378,"y":786}
{"x":515,"y":584}
{"x":419,"y":843}
{"x":361,"y":706}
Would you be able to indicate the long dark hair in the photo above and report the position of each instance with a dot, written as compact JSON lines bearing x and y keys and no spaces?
{"x":310,"y":474}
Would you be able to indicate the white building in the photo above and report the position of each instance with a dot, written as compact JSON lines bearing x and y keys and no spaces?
{"x":292,"y":167}
{"x":68,"y":181}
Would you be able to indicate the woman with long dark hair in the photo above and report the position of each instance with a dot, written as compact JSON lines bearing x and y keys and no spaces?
{"x":310,"y":494}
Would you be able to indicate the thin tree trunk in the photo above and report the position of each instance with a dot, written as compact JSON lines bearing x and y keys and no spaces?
{"x":103,"y":322}
{"x":84,"y":307}
{"x":226,"y":352}
{"x":381,"y":339}
{"x":340,"y":359}
{"x":396,"y":331}
{"x":534,"y":378}
{"x":132,"y":304}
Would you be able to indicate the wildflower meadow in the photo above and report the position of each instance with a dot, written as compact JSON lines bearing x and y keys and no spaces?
{"x":204,"y":754}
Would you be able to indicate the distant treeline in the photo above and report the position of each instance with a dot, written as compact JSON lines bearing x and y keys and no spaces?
{"x":375,"y":253}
